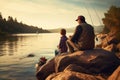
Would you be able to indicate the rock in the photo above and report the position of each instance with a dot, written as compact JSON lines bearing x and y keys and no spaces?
{"x":111,"y":47}
{"x":90,"y":62}
{"x":71,"y":75}
{"x":95,"y":61}
{"x":30,"y":55}
{"x":111,"y":41}
{"x":115,"y":75}
{"x":118,"y":47}
{"x":101,"y":36}
{"x":108,"y":41}
{"x":76,"y":68}
{"x":98,"y":46}
{"x":45,"y":70}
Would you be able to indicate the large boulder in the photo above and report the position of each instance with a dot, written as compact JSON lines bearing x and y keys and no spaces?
{"x":95,"y":61}
{"x":71,"y":75}
{"x":115,"y":75}
{"x":91,"y":62}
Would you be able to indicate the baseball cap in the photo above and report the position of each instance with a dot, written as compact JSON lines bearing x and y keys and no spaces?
{"x":81,"y":18}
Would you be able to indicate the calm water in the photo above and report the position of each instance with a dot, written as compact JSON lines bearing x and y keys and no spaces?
{"x":14,"y":65}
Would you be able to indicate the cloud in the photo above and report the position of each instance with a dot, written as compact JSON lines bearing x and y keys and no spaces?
{"x":97,"y":3}
{"x":55,"y":13}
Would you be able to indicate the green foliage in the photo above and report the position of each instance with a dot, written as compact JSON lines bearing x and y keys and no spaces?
{"x":12,"y":26}
{"x":112,"y":19}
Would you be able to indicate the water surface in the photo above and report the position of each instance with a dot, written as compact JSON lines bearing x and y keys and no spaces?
{"x":14,"y":63}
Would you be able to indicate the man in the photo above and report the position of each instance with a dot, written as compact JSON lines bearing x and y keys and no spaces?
{"x":83,"y":37}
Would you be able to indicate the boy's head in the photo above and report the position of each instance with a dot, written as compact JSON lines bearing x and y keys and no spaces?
{"x":63,"y":32}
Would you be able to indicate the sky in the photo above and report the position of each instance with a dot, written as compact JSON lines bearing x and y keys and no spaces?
{"x":49,"y":14}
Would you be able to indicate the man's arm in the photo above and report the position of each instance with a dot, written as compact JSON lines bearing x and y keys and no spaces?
{"x":76,"y":34}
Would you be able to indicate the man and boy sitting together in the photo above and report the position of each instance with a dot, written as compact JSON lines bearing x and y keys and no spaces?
{"x":82,"y":39}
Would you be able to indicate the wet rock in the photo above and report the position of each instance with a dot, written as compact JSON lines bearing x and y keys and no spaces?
{"x":30,"y":55}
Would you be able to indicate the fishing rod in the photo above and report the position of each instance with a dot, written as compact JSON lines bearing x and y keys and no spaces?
{"x":97,"y":16}
{"x":95,"y":13}
{"x":89,"y":15}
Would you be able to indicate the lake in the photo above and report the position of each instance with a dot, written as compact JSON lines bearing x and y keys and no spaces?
{"x":14,"y":63}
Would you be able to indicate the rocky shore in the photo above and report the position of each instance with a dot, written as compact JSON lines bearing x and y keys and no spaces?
{"x":97,"y":64}
{"x":110,"y":42}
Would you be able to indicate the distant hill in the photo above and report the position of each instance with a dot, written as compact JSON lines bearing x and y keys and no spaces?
{"x":97,"y":29}
{"x":57,"y":30}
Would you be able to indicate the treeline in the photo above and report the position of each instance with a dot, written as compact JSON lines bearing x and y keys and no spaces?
{"x":12,"y":26}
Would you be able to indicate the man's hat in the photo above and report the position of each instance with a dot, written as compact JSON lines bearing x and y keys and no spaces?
{"x":80,"y":18}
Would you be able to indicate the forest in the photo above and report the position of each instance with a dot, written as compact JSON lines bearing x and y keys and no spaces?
{"x":12,"y":26}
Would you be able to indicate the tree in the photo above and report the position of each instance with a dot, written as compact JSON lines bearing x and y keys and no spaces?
{"x":0,"y":15}
{"x":10,"y":18}
{"x":112,"y":19}
{"x":15,"y":20}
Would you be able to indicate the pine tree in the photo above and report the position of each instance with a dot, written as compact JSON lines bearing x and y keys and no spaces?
{"x":0,"y":16}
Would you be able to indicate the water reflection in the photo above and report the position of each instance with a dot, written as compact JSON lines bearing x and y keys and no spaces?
{"x":8,"y":45}
{"x":14,"y":49}
{"x":19,"y":43}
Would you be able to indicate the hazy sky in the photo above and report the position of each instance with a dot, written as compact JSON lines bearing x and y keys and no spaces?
{"x":56,"y":13}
